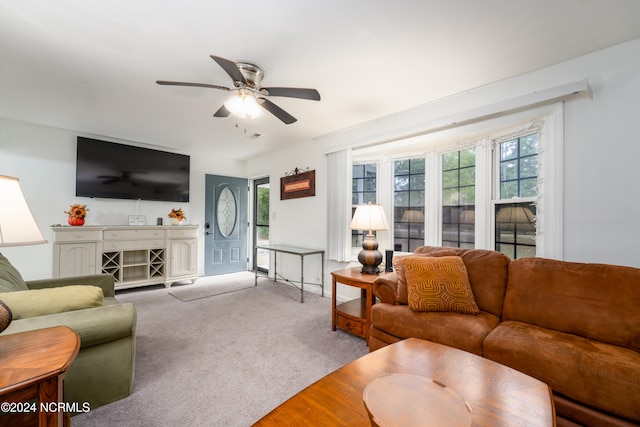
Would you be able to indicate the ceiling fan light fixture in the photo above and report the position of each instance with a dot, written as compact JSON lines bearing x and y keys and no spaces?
{"x":244,"y":105}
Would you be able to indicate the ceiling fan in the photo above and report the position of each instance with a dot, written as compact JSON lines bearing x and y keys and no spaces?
{"x":249,"y":98}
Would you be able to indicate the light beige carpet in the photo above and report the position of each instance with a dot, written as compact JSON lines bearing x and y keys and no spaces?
{"x":227,"y":360}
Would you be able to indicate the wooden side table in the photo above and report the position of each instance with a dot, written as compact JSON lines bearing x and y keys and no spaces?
{"x":32,"y":367}
{"x":353,"y":316}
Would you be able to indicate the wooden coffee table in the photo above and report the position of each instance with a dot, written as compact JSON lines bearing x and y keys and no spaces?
{"x":497,"y":394}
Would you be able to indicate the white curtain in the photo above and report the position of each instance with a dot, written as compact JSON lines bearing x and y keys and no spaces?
{"x":339,"y":169}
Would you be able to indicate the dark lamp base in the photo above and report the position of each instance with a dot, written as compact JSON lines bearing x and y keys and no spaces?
{"x":370,"y":257}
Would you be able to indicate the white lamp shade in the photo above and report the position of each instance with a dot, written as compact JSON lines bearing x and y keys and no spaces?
{"x":369,"y":217}
{"x":244,"y":105}
{"x":17,"y":225}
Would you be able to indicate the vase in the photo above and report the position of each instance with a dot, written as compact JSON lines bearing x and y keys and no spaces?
{"x":73,"y":221}
{"x":175,"y":221}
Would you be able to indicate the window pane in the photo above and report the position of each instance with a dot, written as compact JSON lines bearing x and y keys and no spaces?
{"x":529,"y":145}
{"x":468,"y":176}
{"x":528,"y":167}
{"x":467,"y":195}
{"x":417,"y":182}
{"x":416,"y":198}
{"x":516,"y":229}
{"x":450,"y":197}
{"x":450,"y":161}
{"x":401,"y":167}
{"x":363,"y":190}
{"x":417,"y":166}
{"x":509,"y":170}
{"x":467,"y":158}
{"x":450,"y":179}
{"x":370,"y":184}
{"x":529,"y":187}
{"x":458,"y":198}
{"x":401,"y":183}
{"x":401,"y":198}
{"x":409,"y":203}
{"x":509,"y":150}
{"x":508,"y":190}
{"x":519,"y":167}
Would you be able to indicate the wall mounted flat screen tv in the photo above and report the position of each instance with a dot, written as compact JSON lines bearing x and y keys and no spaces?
{"x":119,"y":171}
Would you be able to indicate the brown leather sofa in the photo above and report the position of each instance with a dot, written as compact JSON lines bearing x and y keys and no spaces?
{"x":574,"y":326}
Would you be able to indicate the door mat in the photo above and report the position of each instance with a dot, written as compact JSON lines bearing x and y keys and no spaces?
{"x":194,"y":292}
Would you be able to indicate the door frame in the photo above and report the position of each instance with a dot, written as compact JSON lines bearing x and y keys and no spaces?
{"x":254,"y":220}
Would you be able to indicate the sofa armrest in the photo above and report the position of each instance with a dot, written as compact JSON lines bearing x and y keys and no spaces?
{"x":385,"y":288}
{"x":94,"y":325}
{"x":104,"y":281}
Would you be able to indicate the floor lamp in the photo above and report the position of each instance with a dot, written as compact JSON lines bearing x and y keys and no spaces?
{"x":17,"y":227}
{"x":369,"y":217}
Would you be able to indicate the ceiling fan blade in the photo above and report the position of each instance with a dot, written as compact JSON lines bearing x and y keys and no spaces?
{"x":231,"y":68}
{"x":285,"y":117}
{"x":222,"y":112}
{"x":167,"y":83}
{"x":293,"y":92}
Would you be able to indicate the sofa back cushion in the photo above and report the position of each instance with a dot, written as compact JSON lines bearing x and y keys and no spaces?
{"x":487,"y":271}
{"x":595,"y":301}
{"x":10,"y":278}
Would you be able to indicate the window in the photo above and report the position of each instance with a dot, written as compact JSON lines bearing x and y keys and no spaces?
{"x":498,"y":186}
{"x":459,"y":198}
{"x":515,"y":221}
{"x":363,"y":191}
{"x":408,"y":204}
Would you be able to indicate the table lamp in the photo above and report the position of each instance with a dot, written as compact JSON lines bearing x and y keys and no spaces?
{"x":17,"y":227}
{"x":369,"y":217}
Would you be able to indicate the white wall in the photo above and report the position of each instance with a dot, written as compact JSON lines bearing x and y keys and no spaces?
{"x":602,"y":155}
{"x":44,"y":158}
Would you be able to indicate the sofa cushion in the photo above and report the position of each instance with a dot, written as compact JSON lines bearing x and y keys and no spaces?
{"x":487,"y":272}
{"x":439,"y":284}
{"x":598,"y":375}
{"x":596,"y":301}
{"x":402,"y":296}
{"x":40,"y":302}
{"x":453,"y":329}
{"x":10,"y":278}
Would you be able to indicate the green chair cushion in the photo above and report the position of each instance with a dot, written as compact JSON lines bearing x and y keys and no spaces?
{"x":10,"y":278}
{"x":40,"y":302}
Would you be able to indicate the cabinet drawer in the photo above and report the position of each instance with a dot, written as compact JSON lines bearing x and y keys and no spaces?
{"x":181,"y":233}
{"x":127,"y":245}
{"x":133,"y":234}
{"x":349,"y":325}
{"x":77,"y":235}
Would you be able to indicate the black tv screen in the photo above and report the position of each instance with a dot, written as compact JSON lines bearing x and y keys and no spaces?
{"x":119,"y":171}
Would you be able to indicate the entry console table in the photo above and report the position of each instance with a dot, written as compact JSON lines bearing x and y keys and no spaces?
{"x":32,"y":367}
{"x":292,"y":250}
{"x":134,"y":255}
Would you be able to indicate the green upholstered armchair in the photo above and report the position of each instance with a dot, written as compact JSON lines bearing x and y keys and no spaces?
{"x":104,"y":369}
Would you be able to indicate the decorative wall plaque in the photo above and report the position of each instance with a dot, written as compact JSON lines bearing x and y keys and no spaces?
{"x":298,"y":184}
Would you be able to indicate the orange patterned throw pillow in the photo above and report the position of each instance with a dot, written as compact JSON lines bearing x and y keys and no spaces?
{"x":439,"y":284}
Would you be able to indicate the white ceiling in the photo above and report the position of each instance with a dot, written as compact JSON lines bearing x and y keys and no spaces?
{"x":91,"y":65}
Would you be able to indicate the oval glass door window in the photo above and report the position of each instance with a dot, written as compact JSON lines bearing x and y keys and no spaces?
{"x":227,"y":208}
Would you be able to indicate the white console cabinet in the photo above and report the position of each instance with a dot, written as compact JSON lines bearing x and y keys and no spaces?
{"x":135,"y":256}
